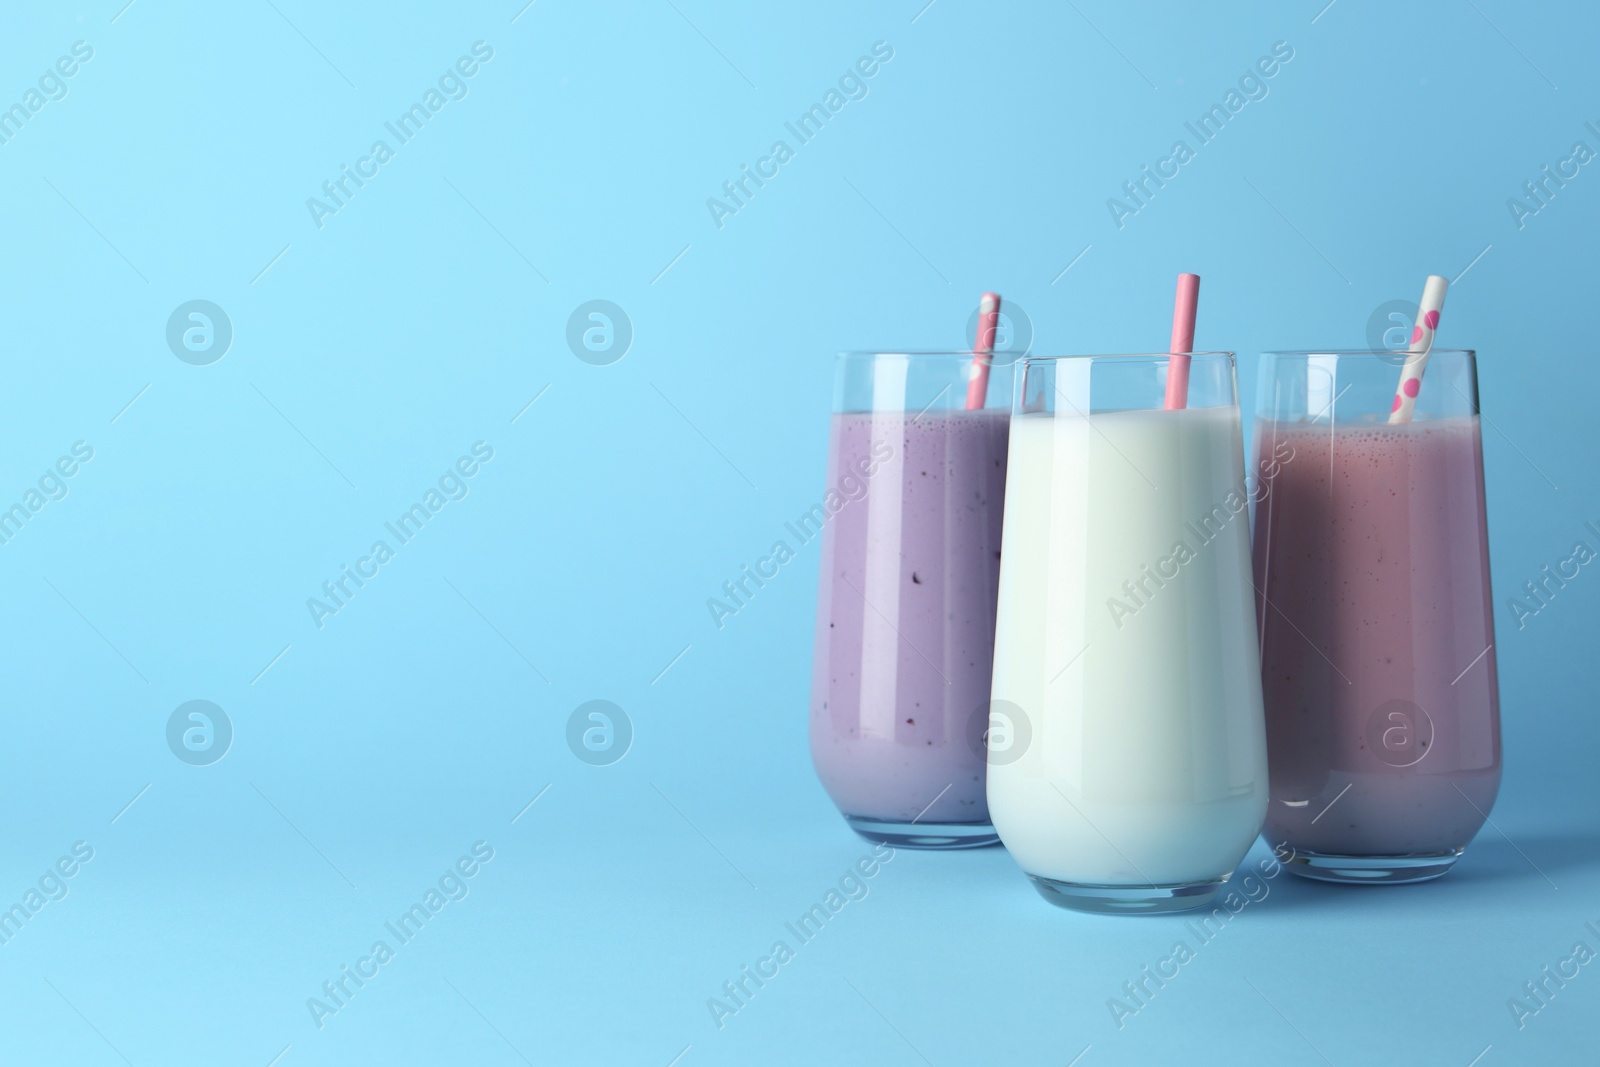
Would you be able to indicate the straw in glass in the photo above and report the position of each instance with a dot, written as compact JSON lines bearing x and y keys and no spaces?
{"x":983,"y":349}
{"x":1183,"y":313}
{"x":1405,"y":394}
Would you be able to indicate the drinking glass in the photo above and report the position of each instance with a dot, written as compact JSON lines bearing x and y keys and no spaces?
{"x":1126,"y":755}
{"x":1377,"y":633}
{"x":910,"y":528}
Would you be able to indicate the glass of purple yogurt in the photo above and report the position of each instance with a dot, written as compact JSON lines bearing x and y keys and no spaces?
{"x":1377,"y":627}
{"x":910,"y":525}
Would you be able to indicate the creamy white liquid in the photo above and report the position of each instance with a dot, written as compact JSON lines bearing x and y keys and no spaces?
{"x":1143,"y":752}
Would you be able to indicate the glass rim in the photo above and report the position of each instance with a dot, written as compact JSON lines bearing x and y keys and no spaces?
{"x":928,"y":353}
{"x":1133,"y":357}
{"x":1376,"y":353}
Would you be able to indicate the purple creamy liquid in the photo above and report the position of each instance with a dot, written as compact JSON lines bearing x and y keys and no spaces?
{"x":906,"y":613}
{"x":1372,"y":565}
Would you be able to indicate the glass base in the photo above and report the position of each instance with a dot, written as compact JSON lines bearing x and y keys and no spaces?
{"x":930,"y":835}
{"x":1126,"y":899}
{"x":1372,"y":870}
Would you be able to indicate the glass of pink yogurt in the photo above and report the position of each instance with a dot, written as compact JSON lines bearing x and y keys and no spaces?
{"x":1371,"y":568}
{"x":910,"y":525}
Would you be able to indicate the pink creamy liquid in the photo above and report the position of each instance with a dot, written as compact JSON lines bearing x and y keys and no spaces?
{"x":1372,"y":571}
{"x":906,"y":613}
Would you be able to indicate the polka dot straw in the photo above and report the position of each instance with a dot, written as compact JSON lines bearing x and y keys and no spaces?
{"x":983,"y":350}
{"x":1405,"y":394}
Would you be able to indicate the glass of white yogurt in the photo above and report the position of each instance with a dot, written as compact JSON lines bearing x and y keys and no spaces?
{"x":1127,"y":766}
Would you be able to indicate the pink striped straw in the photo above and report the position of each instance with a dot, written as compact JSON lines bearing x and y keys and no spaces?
{"x":982,"y":349}
{"x":1183,"y":313}
{"x":1405,"y":394}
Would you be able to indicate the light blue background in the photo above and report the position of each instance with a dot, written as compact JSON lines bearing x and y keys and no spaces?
{"x":423,"y":317}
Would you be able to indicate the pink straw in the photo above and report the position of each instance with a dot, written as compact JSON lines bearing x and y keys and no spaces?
{"x":1183,"y":313}
{"x":1405,"y":394}
{"x":982,"y":349}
